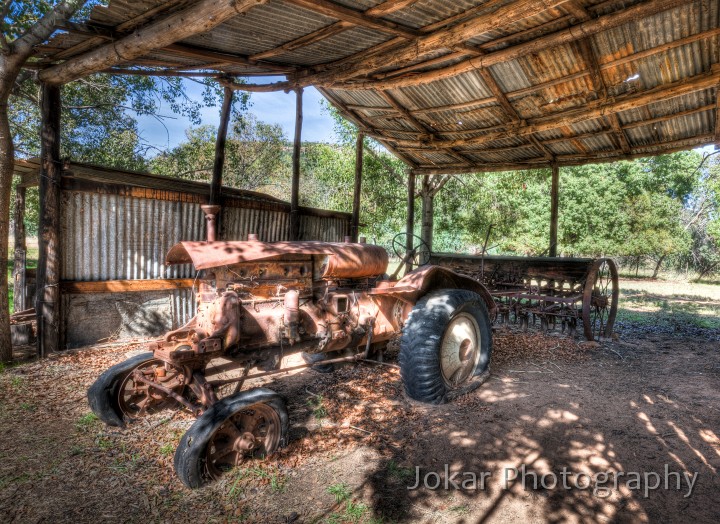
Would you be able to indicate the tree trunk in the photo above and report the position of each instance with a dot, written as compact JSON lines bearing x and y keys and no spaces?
{"x":657,"y":266}
{"x":19,"y":251}
{"x":8,"y":74}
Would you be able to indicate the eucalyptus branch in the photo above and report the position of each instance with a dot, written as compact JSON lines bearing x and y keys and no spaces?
{"x":389,"y":168}
{"x":44,"y":28}
{"x":5,"y":46}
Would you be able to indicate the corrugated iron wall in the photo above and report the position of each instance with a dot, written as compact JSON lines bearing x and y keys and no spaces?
{"x":112,"y":237}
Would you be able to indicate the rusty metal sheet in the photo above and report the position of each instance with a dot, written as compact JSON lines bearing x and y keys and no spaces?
{"x":345,"y":260}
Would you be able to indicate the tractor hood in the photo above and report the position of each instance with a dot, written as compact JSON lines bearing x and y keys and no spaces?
{"x":344,"y":260}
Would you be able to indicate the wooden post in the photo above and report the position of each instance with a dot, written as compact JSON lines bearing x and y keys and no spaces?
{"x":47,"y":301}
{"x":20,"y":250}
{"x":213,"y":209}
{"x":428,"y":205}
{"x":355,"y":225}
{"x":295,"y":185}
{"x":410,"y":224}
{"x":216,"y":184}
{"x":554,"y":201}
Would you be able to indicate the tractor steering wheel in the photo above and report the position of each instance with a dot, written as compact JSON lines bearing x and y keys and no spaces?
{"x":418,"y":256}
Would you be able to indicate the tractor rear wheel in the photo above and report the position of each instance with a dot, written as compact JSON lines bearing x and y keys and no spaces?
{"x":446,"y":341}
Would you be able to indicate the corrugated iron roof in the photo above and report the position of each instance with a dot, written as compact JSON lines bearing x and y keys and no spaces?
{"x":494,"y":98}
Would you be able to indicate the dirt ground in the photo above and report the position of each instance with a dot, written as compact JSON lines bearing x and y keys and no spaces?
{"x":646,"y":404}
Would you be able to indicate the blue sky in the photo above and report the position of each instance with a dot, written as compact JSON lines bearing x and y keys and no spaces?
{"x":275,"y":108}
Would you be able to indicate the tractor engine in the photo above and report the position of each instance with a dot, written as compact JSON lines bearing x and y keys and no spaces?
{"x":290,"y":302}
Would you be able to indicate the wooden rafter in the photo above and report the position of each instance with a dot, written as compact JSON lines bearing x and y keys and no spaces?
{"x":569,"y":160}
{"x":345,"y":14}
{"x":367,"y":130}
{"x":445,"y":38}
{"x":100,"y":35}
{"x":515,"y":118}
{"x":593,"y":110}
{"x":198,"y":18}
{"x":591,"y":63}
{"x":564,"y":36}
{"x":382,"y":9}
{"x":133,"y":23}
{"x":306,"y":40}
{"x":390,"y":99}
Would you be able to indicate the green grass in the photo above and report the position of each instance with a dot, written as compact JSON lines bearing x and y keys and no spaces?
{"x":669,"y":304}
{"x":398,"y":472}
{"x":353,"y":512}
{"x":86,"y":422}
{"x":167,"y":449}
{"x":341,"y":491}
{"x":317,"y":404}
{"x":241,"y":476}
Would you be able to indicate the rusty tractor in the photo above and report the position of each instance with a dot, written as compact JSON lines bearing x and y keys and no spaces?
{"x":259,"y":302}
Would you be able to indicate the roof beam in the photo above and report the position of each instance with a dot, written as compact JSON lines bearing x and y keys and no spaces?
{"x":310,"y":38}
{"x":345,"y":14}
{"x":199,"y":18}
{"x":593,"y":110}
{"x":375,"y":133}
{"x":390,"y":99}
{"x":446,"y":38}
{"x":568,"y":160}
{"x":99,"y":34}
{"x":502,"y":99}
{"x":128,"y":25}
{"x":385,"y":8}
{"x":591,"y":63}
{"x":564,"y":36}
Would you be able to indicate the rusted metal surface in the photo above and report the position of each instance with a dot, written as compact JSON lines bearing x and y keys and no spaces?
{"x":431,"y":277}
{"x":558,"y":292}
{"x":344,"y":260}
{"x":260,"y":301}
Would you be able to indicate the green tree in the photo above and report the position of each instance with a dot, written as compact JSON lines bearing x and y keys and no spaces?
{"x":255,"y":155}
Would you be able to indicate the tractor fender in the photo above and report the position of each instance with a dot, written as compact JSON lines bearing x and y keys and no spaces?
{"x":425,"y":279}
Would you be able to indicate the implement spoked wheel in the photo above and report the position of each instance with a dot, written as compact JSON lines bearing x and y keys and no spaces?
{"x":250,"y":424}
{"x":600,"y":299}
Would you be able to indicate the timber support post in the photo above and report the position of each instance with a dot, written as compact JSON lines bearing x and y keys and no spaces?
{"x":295,"y":184}
{"x":427,"y":193}
{"x":554,"y":209}
{"x":410,"y":224}
{"x":219,"y":163}
{"x":212,"y":210}
{"x":47,"y":301}
{"x":20,"y":251}
{"x":355,"y":221}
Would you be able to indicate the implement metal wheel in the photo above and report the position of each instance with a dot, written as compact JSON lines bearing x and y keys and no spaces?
{"x":600,"y":299}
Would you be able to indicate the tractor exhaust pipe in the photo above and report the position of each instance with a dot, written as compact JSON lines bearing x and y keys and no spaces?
{"x":211,"y":212}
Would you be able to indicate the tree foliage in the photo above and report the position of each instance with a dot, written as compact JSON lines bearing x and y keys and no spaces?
{"x":254,"y":155}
